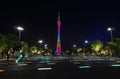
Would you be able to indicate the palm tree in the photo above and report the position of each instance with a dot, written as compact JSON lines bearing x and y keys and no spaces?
{"x":96,"y":46}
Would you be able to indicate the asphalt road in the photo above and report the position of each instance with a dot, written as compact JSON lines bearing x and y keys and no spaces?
{"x":60,"y":70}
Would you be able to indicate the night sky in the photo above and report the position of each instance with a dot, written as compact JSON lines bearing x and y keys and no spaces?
{"x":80,"y":21}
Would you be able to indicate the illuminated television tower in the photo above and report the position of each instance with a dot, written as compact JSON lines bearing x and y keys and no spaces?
{"x":58,"y":47}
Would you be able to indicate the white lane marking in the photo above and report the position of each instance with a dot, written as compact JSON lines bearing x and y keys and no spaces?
{"x":44,"y":68}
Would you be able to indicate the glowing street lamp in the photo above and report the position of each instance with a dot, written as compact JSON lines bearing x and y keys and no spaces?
{"x":74,"y":45}
{"x":40,"y":41}
{"x":20,"y":29}
{"x":86,"y":41}
{"x":110,"y":29}
{"x":45,"y":46}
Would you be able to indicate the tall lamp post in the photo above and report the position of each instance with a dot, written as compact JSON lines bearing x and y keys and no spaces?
{"x":20,"y":29}
{"x":74,"y":47}
{"x":46,"y":46}
{"x":40,"y":41}
{"x":86,"y":41}
{"x":110,"y":29}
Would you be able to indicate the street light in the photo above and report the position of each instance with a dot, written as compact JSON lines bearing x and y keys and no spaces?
{"x":40,"y":41}
{"x":20,"y":29}
{"x":86,"y":41}
{"x":74,"y":45}
{"x":46,"y":46}
{"x":110,"y":29}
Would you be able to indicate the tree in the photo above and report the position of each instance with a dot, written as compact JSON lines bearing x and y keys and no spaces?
{"x":114,"y":46}
{"x":96,"y":46}
{"x":24,"y":47}
{"x":34,"y":49}
{"x":7,"y":42}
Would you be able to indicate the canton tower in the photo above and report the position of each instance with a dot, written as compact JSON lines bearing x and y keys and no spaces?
{"x":58,"y":47}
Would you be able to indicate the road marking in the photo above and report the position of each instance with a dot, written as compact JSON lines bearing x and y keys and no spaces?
{"x":44,"y":68}
{"x":84,"y":67}
{"x":21,"y":64}
{"x":115,"y":65}
{"x":1,"y":70}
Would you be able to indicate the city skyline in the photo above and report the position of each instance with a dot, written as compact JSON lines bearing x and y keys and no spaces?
{"x":79,"y":22}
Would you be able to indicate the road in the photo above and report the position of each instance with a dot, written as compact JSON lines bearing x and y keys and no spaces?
{"x":97,"y":69}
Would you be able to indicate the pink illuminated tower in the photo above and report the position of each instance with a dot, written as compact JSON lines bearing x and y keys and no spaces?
{"x":58,"y":47}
